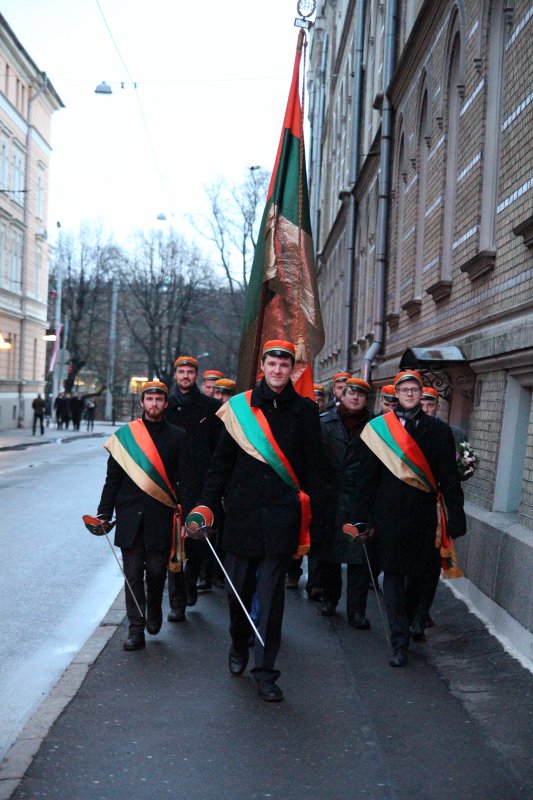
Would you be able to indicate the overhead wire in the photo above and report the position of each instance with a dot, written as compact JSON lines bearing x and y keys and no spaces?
{"x":141,"y":109}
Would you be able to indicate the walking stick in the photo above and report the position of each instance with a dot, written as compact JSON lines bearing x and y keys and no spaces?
{"x":359,"y":532}
{"x":100,"y":527}
{"x":197,"y":526}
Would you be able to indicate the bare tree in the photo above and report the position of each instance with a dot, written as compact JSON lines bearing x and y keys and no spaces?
{"x":86,"y":264}
{"x":163,"y":285}
{"x":232,"y":227}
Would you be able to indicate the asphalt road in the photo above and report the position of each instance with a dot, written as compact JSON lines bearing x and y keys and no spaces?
{"x":170,"y":721}
{"x":56,"y":581}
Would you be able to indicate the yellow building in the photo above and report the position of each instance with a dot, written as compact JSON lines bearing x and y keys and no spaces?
{"x":27,"y":102}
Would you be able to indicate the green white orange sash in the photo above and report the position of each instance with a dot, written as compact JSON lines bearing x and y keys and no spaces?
{"x":134,"y":450}
{"x":395,"y":447}
{"x":248,"y":426}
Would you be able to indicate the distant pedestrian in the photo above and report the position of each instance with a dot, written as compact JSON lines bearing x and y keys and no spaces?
{"x":90,"y":412}
{"x":76,"y":410}
{"x":39,"y":407}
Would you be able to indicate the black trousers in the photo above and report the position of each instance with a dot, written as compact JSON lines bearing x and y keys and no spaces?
{"x":138,"y":562}
{"x":357,"y":578}
{"x":421,"y":591}
{"x":262,"y":579}
{"x":38,"y":418}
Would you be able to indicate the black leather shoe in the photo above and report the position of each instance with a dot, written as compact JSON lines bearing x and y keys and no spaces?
{"x":134,"y":643}
{"x":237,"y":661}
{"x":269,"y":691}
{"x":204,"y":586}
{"x":328,"y":609}
{"x":417,"y":631}
{"x":176,"y":615}
{"x":154,"y":620}
{"x":360,"y":622}
{"x":399,"y":659}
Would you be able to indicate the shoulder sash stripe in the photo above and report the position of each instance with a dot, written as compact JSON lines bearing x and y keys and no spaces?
{"x":398,"y":451}
{"x":141,"y":461}
{"x":378,"y":437}
{"x":249,"y":427}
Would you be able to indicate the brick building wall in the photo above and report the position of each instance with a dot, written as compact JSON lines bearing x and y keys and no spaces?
{"x":459,"y":233}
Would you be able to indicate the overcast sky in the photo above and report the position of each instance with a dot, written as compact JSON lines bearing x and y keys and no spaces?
{"x":212,"y":81}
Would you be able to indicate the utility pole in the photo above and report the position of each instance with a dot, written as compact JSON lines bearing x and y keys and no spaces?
{"x":112,"y":342}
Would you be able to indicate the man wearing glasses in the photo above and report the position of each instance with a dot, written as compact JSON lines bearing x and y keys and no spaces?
{"x":408,"y":474}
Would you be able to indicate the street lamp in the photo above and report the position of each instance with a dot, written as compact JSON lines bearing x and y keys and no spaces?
{"x":5,"y":344}
{"x":103,"y":88}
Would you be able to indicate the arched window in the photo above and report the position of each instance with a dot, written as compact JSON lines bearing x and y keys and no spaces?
{"x":422,"y":163}
{"x":452,"y":135}
{"x":400,"y":217}
{"x":496,"y":42}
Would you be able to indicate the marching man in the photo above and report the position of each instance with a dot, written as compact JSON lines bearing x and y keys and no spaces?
{"x":409,"y":492}
{"x":146,"y":461}
{"x":267,"y":468}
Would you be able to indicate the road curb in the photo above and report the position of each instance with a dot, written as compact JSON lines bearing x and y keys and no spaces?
{"x":27,"y":744}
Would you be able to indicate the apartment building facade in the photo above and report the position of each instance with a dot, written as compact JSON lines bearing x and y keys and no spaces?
{"x":27,"y":103}
{"x":421,"y":165}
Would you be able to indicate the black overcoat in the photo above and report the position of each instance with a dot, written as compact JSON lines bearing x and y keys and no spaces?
{"x":405,"y":518}
{"x":196,"y":414}
{"x":262,"y":511}
{"x":342,"y":458}
{"x":133,"y":506}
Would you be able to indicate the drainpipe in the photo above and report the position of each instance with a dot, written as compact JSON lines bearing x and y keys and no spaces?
{"x":354,"y":172}
{"x":25,"y":250}
{"x":383,"y":191}
{"x":317,"y":144}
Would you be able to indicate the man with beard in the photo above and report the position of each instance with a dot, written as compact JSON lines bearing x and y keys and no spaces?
{"x":196,"y":414}
{"x":408,"y":474}
{"x":267,"y":466}
{"x":146,"y":461}
{"x":341,"y":430}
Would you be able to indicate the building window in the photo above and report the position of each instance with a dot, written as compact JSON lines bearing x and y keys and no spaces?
{"x":511,"y":461}
{"x":18,"y":177}
{"x":4,"y":164}
{"x":3,"y":268}
{"x":497,"y":33}
{"x":400,"y":218}
{"x":39,"y":211}
{"x":38,"y":269}
{"x":15,"y":262}
{"x":452,"y":132}
{"x":422,"y":190}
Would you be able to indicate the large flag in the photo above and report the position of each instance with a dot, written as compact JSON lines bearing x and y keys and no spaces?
{"x":282,"y":297}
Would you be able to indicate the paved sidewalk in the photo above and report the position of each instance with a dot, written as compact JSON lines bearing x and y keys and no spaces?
{"x":22,"y":438}
{"x":170,"y":720}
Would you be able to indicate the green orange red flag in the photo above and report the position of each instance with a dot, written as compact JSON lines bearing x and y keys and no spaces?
{"x":282,"y":297}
